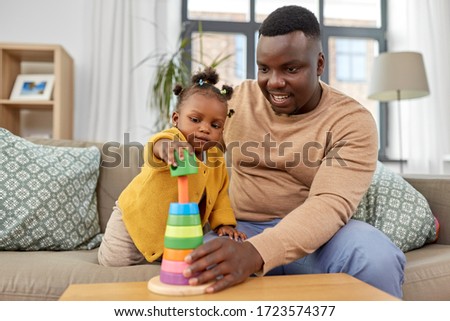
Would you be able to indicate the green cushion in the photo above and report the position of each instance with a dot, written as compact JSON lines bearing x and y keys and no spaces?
{"x":397,"y":209}
{"x":47,"y":196}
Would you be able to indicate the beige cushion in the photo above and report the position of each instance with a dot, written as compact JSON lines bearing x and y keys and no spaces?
{"x":45,"y":275}
{"x":119,"y":166}
{"x":427,"y":273}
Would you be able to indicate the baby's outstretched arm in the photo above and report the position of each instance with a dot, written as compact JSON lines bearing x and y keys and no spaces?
{"x":164,"y":149}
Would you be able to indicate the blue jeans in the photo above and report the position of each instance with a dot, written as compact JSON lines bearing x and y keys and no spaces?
{"x":358,"y":249}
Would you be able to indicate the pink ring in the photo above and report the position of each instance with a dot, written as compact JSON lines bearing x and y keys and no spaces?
{"x":173,"y":266}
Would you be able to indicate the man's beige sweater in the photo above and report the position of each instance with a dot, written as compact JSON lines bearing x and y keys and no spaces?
{"x":311,"y":169}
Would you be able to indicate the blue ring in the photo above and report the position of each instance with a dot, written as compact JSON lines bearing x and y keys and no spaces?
{"x":183,"y":208}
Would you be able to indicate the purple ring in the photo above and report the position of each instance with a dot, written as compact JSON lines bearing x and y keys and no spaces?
{"x":173,"y":278}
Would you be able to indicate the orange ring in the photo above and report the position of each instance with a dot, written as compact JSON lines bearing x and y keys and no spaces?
{"x":175,"y":255}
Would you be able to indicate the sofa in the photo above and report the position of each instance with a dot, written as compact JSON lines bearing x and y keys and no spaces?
{"x":44,"y":275}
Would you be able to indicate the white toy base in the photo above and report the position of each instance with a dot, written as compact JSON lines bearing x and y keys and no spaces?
{"x":156,"y":286}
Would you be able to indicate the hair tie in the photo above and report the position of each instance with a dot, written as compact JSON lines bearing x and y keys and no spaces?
{"x":200,"y":82}
{"x":223,"y":91}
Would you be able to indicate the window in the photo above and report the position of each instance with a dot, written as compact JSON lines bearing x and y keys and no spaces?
{"x":353,"y":33}
{"x":208,"y":47}
{"x":350,"y":60}
{"x":350,"y":13}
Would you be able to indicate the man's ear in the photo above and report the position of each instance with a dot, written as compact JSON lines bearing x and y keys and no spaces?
{"x":320,"y":64}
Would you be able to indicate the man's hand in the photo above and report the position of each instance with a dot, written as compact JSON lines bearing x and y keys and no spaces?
{"x":229,"y":263}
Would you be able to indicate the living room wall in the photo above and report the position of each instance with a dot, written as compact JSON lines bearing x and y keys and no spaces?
{"x":85,"y":29}
{"x":47,"y":21}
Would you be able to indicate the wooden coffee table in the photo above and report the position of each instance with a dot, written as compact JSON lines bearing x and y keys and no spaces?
{"x":311,"y":287}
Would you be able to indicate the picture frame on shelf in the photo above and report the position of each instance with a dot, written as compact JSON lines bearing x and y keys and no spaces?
{"x":33,"y":87}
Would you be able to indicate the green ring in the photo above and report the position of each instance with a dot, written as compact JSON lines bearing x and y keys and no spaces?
{"x":183,"y":220}
{"x":181,"y":243}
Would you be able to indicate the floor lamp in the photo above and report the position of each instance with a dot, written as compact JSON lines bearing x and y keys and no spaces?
{"x":398,"y":76}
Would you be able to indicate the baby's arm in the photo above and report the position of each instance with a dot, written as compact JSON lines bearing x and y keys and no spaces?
{"x":164,"y":149}
{"x":231,"y":232}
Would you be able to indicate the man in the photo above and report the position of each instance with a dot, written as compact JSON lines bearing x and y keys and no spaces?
{"x":303,"y":155}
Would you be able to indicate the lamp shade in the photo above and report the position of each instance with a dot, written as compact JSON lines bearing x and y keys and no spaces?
{"x":398,"y":75}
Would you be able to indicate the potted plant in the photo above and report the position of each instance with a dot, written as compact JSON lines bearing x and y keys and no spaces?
{"x":174,"y":68}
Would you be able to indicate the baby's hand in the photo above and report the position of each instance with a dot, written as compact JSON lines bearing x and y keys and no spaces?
{"x":164,"y":149}
{"x":231,"y":232}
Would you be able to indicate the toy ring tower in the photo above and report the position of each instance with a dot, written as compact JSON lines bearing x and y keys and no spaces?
{"x":183,"y":234}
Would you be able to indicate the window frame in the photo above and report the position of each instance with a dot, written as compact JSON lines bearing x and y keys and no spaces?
{"x":251,"y":27}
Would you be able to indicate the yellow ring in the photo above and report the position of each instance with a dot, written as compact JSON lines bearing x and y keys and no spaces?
{"x":184,"y":231}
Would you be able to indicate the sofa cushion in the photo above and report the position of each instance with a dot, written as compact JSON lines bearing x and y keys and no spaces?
{"x":427,"y":273}
{"x":45,"y":275}
{"x":397,"y":209}
{"x":47,"y":196}
{"x":436,"y":189}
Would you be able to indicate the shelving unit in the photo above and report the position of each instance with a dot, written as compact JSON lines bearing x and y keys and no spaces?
{"x":12,"y":58}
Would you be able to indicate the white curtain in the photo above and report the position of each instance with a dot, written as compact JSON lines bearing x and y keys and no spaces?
{"x":115,"y":96}
{"x":423,"y":26}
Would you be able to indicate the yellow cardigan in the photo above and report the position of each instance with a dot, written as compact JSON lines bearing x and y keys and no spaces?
{"x":145,"y":201}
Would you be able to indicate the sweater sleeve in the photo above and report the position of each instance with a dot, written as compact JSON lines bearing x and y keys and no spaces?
{"x":222,"y":213}
{"x":149,"y":158}
{"x":341,"y":180}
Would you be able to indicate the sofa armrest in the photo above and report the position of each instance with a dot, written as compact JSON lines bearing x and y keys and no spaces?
{"x":436,"y":189}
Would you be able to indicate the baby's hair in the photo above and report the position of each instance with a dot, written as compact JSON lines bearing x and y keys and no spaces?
{"x":203,"y":82}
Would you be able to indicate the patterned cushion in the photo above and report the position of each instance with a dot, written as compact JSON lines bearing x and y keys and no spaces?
{"x":397,"y":209}
{"x":47,"y":196}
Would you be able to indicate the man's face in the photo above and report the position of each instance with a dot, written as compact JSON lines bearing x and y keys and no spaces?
{"x":289,"y":67}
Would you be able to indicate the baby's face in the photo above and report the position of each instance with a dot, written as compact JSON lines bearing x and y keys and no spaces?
{"x":201,"y":119}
